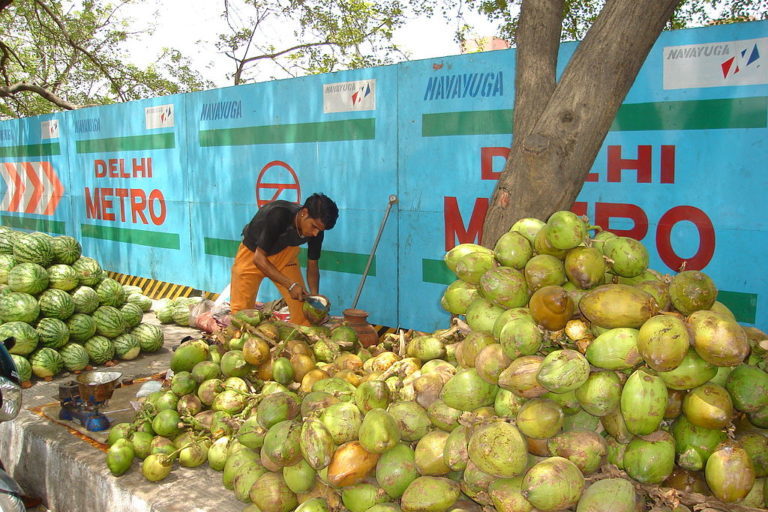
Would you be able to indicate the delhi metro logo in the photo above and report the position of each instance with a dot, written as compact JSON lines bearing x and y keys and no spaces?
{"x":736,"y":64}
{"x":277,"y":180}
{"x":31,"y":187}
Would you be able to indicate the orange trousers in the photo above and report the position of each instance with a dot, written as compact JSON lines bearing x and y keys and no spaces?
{"x":246,"y":279}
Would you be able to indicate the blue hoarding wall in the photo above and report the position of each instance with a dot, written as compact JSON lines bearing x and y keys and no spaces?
{"x":161,"y":188}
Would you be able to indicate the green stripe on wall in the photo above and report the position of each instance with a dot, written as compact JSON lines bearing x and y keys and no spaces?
{"x":670,"y":115}
{"x":132,"y":236}
{"x":435,"y":271}
{"x":220,"y":247}
{"x":44,"y":225}
{"x":479,"y":122}
{"x":693,"y":115}
{"x":742,"y":305}
{"x":348,"y":262}
{"x":48,"y":149}
{"x":132,"y":143}
{"x":350,"y":129}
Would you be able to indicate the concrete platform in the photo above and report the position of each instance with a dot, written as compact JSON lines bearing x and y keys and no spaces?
{"x":70,"y":474}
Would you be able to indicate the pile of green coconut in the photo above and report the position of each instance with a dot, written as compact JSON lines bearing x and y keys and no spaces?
{"x":572,"y":377}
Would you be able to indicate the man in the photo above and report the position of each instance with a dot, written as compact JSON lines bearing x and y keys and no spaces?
{"x":270,"y":248}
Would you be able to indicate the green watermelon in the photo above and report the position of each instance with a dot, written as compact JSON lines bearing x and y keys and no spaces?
{"x":18,"y":306}
{"x":82,"y":327}
{"x":129,"y":289}
{"x":109,"y":321}
{"x":132,"y":315}
{"x":88,"y":270}
{"x":150,"y":337}
{"x":110,"y":293}
{"x":75,"y":357}
{"x":164,"y":313}
{"x":4,"y":288}
{"x":29,"y":278}
{"x":23,"y":368}
{"x":7,"y":262}
{"x":86,"y":299}
{"x":180,"y":313}
{"x":127,"y":346}
{"x":7,"y":238}
{"x":144,"y":302}
{"x":62,"y":277}
{"x":26,"y":337}
{"x":66,"y":249}
{"x":46,"y":362}
{"x":56,"y":303}
{"x":33,"y":248}
{"x":52,"y":333}
{"x":100,"y":349}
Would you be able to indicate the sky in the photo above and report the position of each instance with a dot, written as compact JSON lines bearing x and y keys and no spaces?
{"x":192,"y":27}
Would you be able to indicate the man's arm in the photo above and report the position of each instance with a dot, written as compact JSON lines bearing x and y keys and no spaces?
{"x":266,"y":266}
{"x":313,"y":277}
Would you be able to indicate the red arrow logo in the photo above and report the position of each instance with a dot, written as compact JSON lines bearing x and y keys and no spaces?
{"x":31,"y":187}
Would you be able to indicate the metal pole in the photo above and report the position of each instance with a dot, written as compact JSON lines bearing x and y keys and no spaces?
{"x":392,"y":200}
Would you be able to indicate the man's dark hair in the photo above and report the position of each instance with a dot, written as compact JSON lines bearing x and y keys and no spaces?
{"x":322,"y":207}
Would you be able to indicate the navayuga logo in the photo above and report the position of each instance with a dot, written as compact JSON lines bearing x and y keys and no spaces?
{"x":745,"y":59}
{"x":716,"y":64}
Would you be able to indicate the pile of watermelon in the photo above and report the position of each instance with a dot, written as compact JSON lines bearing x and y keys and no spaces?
{"x":177,"y":311}
{"x":63,"y":310}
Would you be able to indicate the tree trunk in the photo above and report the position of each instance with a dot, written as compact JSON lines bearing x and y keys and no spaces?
{"x":547,"y":166}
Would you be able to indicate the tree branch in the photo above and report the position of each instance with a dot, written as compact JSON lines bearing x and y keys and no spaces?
{"x":75,"y":45}
{"x":12,"y":90}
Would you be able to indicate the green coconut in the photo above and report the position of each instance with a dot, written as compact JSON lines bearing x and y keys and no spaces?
{"x":609,"y":495}
{"x":505,"y":287}
{"x":396,"y":469}
{"x":553,"y":484}
{"x":458,"y":296}
{"x":718,"y":340}
{"x":643,"y":402}
{"x":729,"y":472}
{"x":585,"y":267}
{"x":430,"y":494}
{"x":692,"y":290}
{"x":627,"y":257}
{"x":563,"y":370}
{"x":600,"y":394}
{"x":467,"y":391}
{"x":617,"y":305}
{"x":615,"y":349}
{"x":566,"y":230}
{"x":663,"y":341}
{"x":650,"y":459}
{"x":513,"y":249}
{"x":498,"y":448}
{"x":529,"y":227}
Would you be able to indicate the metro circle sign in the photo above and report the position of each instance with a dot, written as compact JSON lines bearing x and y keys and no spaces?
{"x":277,"y":180}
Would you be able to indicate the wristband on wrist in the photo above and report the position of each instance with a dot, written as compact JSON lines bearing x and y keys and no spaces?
{"x":292,"y":285}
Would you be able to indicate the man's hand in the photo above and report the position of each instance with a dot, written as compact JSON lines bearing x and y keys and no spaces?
{"x":297,"y":291}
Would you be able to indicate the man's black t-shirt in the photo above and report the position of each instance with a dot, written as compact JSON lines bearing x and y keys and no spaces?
{"x":273,"y":229}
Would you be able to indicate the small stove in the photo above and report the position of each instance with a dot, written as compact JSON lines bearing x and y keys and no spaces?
{"x":81,"y":400}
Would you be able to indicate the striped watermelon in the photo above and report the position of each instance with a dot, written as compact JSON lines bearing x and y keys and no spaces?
{"x":100,"y":349}
{"x":4,"y":288}
{"x":164,"y":313}
{"x":110,"y":293}
{"x":86,"y":299}
{"x":62,"y":277}
{"x":7,"y":262}
{"x":129,"y":289}
{"x":74,"y":356}
{"x":18,"y":306}
{"x":66,"y":249}
{"x":144,"y":302}
{"x":29,"y":278}
{"x":82,"y":327}
{"x":132,"y":315}
{"x":33,"y":248}
{"x":180,"y":313}
{"x":7,"y":238}
{"x":46,"y":362}
{"x":23,"y":368}
{"x":56,"y":303}
{"x":88,"y":270}
{"x":127,"y":346}
{"x":150,"y":337}
{"x":109,"y":321}
{"x":52,"y":333}
{"x":25,"y":334}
